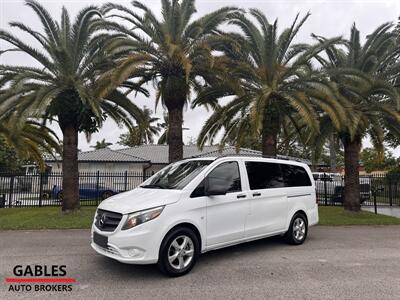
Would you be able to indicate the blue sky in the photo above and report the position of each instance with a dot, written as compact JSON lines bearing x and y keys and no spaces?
{"x":328,"y":18}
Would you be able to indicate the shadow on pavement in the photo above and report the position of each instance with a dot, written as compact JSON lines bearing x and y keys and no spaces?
{"x":150,"y":272}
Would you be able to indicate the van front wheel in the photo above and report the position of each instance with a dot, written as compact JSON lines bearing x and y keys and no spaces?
{"x":178,"y":252}
{"x":298,"y":228}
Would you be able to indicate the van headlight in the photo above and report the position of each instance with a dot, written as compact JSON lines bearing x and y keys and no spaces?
{"x":140,"y":217}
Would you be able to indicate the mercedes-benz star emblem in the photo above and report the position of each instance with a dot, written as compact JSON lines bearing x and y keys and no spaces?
{"x":102,"y":220}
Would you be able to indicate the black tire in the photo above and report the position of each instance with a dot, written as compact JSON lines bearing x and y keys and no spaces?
{"x":293,"y":236}
{"x":166,"y":247}
{"x":60,"y":196}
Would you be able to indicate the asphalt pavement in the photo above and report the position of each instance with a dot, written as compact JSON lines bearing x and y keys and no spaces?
{"x":352,"y":262}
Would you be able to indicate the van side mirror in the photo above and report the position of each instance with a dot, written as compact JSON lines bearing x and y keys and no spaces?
{"x":212,"y":188}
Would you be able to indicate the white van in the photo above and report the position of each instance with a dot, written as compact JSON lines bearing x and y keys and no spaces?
{"x":197,"y":205}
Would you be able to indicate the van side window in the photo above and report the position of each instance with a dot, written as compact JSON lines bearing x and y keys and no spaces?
{"x":295,"y":176}
{"x":264,"y":175}
{"x":226,"y":175}
{"x":198,"y":191}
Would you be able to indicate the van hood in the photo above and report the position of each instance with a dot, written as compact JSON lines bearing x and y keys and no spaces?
{"x":140,"y":199}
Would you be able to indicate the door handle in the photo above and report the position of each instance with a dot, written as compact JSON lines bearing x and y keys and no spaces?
{"x":241,"y":196}
{"x":256,"y":194}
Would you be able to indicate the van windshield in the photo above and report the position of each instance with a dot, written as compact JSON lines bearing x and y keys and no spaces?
{"x":177,"y":175}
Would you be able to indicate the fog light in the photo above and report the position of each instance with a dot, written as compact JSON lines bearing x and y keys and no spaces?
{"x":132,"y":252}
{"x":135,"y":252}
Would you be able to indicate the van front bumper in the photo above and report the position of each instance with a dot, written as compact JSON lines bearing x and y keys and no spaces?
{"x":135,"y":246}
{"x":115,"y":253}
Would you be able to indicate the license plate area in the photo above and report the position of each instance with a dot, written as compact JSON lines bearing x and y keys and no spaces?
{"x":100,"y":240}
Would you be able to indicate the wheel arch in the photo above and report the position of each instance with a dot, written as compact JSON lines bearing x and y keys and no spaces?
{"x":302,"y":212}
{"x":295,"y":211}
{"x":189,"y":225}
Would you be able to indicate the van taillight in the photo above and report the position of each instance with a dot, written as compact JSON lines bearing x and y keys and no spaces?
{"x":316,"y":198}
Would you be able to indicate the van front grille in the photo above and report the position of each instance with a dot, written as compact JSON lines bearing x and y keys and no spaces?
{"x":110,"y":250}
{"x":107,"y":220}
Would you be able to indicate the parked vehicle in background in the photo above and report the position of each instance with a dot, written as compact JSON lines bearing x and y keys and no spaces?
{"x":330,"y":176}
{"x":327,"y":185}
{"x":17,"y":182}
{"x":24,"y":180}
{"x":87,"y":191}
{"x":197,"y":205}
{"x":330,"y":187}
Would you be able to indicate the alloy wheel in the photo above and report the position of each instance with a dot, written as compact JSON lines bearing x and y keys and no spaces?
{"x":181,"y":252}
{"x":299,"y":229}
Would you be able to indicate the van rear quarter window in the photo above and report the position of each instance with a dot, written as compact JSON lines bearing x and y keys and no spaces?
{"x":265,"y":175}
{"x":295,"y":175}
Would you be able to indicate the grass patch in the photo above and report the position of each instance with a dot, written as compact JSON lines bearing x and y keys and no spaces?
{"x":52,"y":218}
{"x":45,"y":218}
{"x":335,"y":216}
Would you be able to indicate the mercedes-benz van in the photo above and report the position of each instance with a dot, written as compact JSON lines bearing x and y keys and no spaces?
{"x":197,"y":205}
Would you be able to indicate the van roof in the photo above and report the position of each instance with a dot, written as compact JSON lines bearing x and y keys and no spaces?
{"x":265,"y":158}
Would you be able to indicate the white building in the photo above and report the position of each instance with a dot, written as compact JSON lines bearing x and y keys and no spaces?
{"x":149,"y":158}
{"x":145,"y":158}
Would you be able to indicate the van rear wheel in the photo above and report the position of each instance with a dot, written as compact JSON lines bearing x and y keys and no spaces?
{"x":298,"y":229}
{"x":178,"y":252}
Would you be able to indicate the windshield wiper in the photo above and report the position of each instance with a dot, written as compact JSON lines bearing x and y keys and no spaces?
{"x":153,"y":186}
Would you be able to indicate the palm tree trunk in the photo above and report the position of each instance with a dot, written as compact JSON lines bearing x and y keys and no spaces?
{"x":270,"y":134}
{"x":351,"y":177}
{"x":269,"y":144}
{"x":70,"y":181}
{"x":332,"y":152}
{"x":175,"y":143}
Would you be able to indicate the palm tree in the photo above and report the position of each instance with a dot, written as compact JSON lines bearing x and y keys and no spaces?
{"x":174,"y":53}
{"x":333,"y":145}
{"x":29,"y":139}
{"x":65,"y":87}
{"x":278,"y":87}
{"x":163,"y":139}
{"x":101,"y":145}
{"x":363,"y":75}
{"x":143,"y":133}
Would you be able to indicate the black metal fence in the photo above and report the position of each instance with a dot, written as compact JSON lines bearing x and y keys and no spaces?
{"x":20,"y":190}
{"x":379,"y":190}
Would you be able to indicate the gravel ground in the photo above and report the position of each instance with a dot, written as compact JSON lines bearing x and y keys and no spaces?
{"x":352,"y":262}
